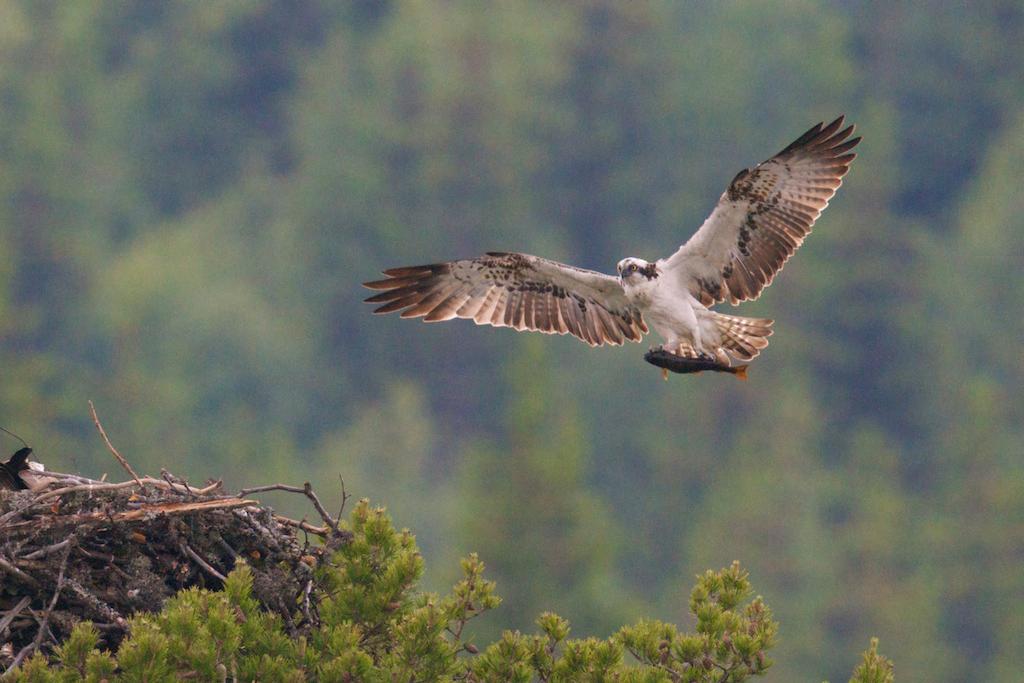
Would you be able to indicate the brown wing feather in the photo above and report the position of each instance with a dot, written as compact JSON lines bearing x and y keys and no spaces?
{"x":764,"y":216}
{"x":513,"y":290}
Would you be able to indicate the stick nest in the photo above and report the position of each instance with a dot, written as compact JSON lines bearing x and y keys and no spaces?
{"x":76,"y":549}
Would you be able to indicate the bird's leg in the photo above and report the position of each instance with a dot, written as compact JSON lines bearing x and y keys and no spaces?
{"x":703,"y":355}
{"x":670,"y":346}
{"x":664,"y":374}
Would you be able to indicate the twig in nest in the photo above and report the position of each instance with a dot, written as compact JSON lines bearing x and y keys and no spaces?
{"x":96,"y":605}
{"x":48,"y":550}
{"x":41,"y":633}
{"x":57,"y":493}
{"x":53,"y":600}
{"x":120,"y":458}
{"x":226,"y":547}
{"x":12,"y":613}
{"x":108,"y":558}
{"x":213,"y":486}
{"x":176,"y":483}
{"x":289,"y":622}
{"x":11,"y":569}
{"x":133,"y":515}
{"x":344,"y":496}
{"x":22,"y":653}
{"x":99,"y":486}
{"x":321,"y":531}
{"x":306,"y":592}
{"x":166,"y":476}
{"x":306,"y":490}
{"x":202,"y":563}
{"x":270,"y":487}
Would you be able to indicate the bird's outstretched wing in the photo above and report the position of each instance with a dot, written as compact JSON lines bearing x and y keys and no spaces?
{"x":514,"y":290}
{"x":764,"y":217}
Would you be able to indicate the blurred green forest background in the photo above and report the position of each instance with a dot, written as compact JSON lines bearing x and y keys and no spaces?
{"x":192,"y":193}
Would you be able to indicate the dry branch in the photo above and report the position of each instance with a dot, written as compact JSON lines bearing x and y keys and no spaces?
{"x":120,"y":458}
{"x":185,"y":548}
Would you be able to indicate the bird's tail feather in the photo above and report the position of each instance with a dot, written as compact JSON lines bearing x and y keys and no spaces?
{"x":742,"y":337}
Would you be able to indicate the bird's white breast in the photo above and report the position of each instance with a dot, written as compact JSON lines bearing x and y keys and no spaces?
{"x":666,"y":305}
{"x":640,"y":291}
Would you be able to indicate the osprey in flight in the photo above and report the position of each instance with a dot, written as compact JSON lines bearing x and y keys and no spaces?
{"x":761,"y":219}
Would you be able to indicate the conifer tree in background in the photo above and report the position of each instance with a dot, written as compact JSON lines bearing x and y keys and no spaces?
{"x":536,"y":493}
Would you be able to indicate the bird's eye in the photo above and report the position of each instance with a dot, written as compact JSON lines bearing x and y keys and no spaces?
{"x":633,"y":267}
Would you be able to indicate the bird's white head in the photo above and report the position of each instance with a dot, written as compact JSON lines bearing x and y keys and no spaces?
{"x":634,"y":270}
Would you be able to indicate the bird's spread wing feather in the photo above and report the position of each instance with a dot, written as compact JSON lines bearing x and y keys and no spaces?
{"x":514,"y":290}
{"x":764,"y":217}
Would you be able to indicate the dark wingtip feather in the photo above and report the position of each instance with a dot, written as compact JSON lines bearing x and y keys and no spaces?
{"x":829,"y":130}
{"x":407,"y":271}
{"x":379,"y":284}
{"x":392,"y":307}
{"x":382,"y":297}
{"x":811,"y":133}
{"x":835,"y":139}
{"x":844,"y":147}
{"x":822,"y":136}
